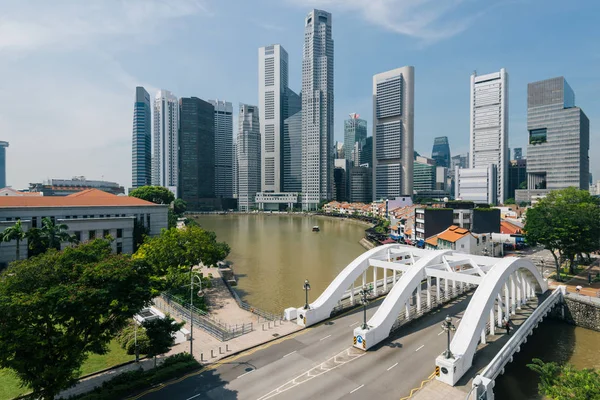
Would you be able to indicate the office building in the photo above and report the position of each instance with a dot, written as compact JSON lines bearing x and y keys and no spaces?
{"x":366,"y":151}
{"x":223,"y":139}
{"x":3,"y":146}
{"x":441,"y":152}
{"x":197,"y":155}
{"x":355,"y":131}
{"x":235,"y":170}
{"x":518,"y":153}
{"x":317,"y":110}
{"x":292,"y":153}
{"x":517,"y":176}
{"x":431,"y":221}
{"x":461,"y":160}
{"x":476,"y":184}
{"x":360,"y":185}
{"x":339,"y":184}
{"x":424,"y":174}
{"x":248,"y":156}
{"x":489,"y":126}
{"x":141,"y":146}
{"x":166,"y":146}
{"x":393,"y":135}
{"x":65,"y":187}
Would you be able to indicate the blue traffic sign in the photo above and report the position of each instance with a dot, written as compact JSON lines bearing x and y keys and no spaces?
{"x":359,"y":339}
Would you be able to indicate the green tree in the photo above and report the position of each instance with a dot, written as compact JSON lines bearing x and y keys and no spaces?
{"x":523,"y":185}
{"x":171,"y":219}
{"x":565,"y":382}
{"x":179,"y":207}
{"x":58,"y":307}
{"x":510,"y":201}
{"x":55,"y":234}
{"x":160,"y":333}
{"x":14,"y":232}
{"x":139,"y":234}
{"x":566,"y":222}
{"x":154,"y":194}
{"x":36,"y":242}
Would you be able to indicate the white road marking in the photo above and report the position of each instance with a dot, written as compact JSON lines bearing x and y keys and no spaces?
{"x":245,"y":374}
{"x":441,"y":333}
{"x":392,"y":366}
{"x":324,"y":338}
{"x":193,"y":397}
{"x":357,"y":388}
{"x":288,"y":354}
{"x":356,"y":323}
{"x":420,"y":348}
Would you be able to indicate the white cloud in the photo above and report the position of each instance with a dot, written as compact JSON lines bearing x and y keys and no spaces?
{"x":430,"y":20}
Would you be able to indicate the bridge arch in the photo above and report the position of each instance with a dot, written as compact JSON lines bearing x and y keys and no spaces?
{"x":519,"y":279}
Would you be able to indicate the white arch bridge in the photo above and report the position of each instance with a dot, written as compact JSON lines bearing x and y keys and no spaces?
{"x":502,"y":286}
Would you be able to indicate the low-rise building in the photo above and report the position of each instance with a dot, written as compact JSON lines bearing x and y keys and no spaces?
{"x":276,"y":201}
{"x":462,"y":240}
{"x":65,"y":187}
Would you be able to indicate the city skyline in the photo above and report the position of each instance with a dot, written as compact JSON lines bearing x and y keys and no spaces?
{"x":99,"y":85}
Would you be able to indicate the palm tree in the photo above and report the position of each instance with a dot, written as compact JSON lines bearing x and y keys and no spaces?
{"x":55,"y":233}
{"x":14,"y":232}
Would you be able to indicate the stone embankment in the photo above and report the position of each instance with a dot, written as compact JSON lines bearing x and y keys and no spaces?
{"x":579,"y":310}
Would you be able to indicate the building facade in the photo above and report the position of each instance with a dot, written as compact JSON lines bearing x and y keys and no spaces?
{"x":476,"y":184}
{"x":166,"y":145}
{"x":3,"y":146}
{"x":223,"y":139}
{"x":440,"y":152}
{"x":248,"y":155}
{"x":355,"y":131}
{"x":517,"y":175}
{"x":197,"y":155}
{"x":317,"y":109}
{"x":292,"y":153}
{"x":461,"y":160}
{"x":424,"y":175}
{"x":518,"y":153}
{"x":393,"y":134}
{"x":489,"y":126}
{"x":360,"y":185}
{"x":366,"y":151}
{"x":235,"y":170}
{"x":65,"y":187}
{"x":141,"y":146}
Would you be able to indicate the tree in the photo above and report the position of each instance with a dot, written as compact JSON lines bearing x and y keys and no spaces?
{"x":160,"y":333}
{"x":179,"y":207}
{"x":510,"y":201}
{"x":58,"y":307}
{"x":171,"y":219}
{"x":566,"y":382}
{"x":36,"y":242}
{"x":523,"y":185}
{"x":14,"y":232}
{"x":184,"y":247}
{"x":139,"y":234}
{"x":154,"y":194}
{"x":566,"y":222}
{"x":55,"y":233}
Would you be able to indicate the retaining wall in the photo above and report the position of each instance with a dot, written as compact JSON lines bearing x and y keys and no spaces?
{"x":579,"y":310}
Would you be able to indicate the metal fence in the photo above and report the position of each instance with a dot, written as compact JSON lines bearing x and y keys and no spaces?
{"x":202,"y":320}
{"x":265,"y":315}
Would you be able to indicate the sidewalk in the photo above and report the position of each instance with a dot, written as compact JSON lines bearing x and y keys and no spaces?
{"x":581,"y":279}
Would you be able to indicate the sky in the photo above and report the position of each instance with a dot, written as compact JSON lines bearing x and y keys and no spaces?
{"x":69,"y":68}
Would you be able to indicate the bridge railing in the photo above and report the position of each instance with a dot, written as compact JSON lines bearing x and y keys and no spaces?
{"x":267,"y":316}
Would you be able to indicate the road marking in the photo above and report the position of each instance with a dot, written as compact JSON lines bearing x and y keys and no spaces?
{"x":420,"y":348}
{"x":392,"y":366}
{"x":288,"y":354}
{"x":357,"y":388}
{"x":356,"y":323}
{"x":324,"y":338}
{"x":441,"y":333}
{"x":193,"y":397}
{"x":245,"y":374}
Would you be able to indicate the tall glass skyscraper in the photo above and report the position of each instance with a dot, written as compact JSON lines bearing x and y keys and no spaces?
{"x":317,"y":110}
{"x":223,"y":120}
{"x":440,"y":152}
{"x":141,"y":146}
{"x":355,"y":130}
{"x":248,"y":156}
{"x":292,"y":153}
{"x":3,"y":146}
{"x":166,"y":142}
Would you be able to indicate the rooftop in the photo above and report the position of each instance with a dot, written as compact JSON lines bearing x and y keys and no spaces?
{"x":85,"y":198}
{"x":453,"y":233}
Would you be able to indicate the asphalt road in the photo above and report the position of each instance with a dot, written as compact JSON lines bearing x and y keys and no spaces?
{"x":320,"y":363}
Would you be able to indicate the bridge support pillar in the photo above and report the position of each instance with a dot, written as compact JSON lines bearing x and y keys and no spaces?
{"x":437,"y":291}
{"x":418,"y":293}
{"x":483,"y":385}
{"x":352,"y":294}
{"x":445,"y":287}
{"x":506,"y":301}
{"x":429,"y":292}
{"x":393,"y":278}
{"x":499,"y":310}
{"x":518,"y":289}
{"x":375,"y":280}
{"x":513,"y":300}
{"x":483,"y":336}
{"x":492,"y":322}
{"x":385,"y":280}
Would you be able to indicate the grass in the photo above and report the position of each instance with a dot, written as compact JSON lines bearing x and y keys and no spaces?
{"x":10,"y":385}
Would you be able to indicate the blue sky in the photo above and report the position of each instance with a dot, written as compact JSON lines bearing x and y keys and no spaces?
{"x":68,"y":68}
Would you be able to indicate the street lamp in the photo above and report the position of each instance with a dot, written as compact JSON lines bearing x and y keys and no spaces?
{"x":306,"y":289}
{"x":192,"y":276}
{"x":448,"y":326}
{"x":542,"y":261}
{"x":364,"y":292}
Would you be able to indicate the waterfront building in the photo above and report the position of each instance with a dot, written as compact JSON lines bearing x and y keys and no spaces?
{"x":292,"y":153}
{"x":223,"y":139}
{"x":166,"y":145}
{"x":355,"y":131}
{"x":141,"y":146}
{"x":518,"y":153}
{"x":476,"y":184}
{"x":248,"y":155}
{"x":393,"y":135}
{"x":441,"y":152}
{"x":317,"y":110}
{"x":197,"y":155}
{"x":65,"y":187}
{"x":559,"y":139}
{"x":489,"y":126}
{"x":89,"y":214}
{"x":276,"y":201}
{"x":517,"y":175}
{"x":360,"y":185}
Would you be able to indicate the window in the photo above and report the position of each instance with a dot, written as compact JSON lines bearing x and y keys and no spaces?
{"x":148,"y":222}
{"x":483,"y":239}
{"x":78,"y":235}
{"x":34,"y":222}
{"x":119,"y":233}
{"x":537,"y":136}
{"x":9,"y":219}
{"x":53,"y":220}
{"x":106,"y":233}
{"x":92,"y":235}
{"x":119,"y":248}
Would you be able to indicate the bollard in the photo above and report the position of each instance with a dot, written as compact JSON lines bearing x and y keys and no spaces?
{"x":263,"y":325}
{"x":220,"y":351}
{"x":201,"y":356}
{"x":226,"y":347}
{"x":212,"y":354}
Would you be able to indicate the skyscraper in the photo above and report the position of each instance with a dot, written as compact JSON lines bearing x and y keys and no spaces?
{"x":559,"y":137}
{"x":223,"y":120}
{"x":518,"y":153}
{"x":489,"y":125}
{"x":292,"y":153}
{"x":360,"y":185}
{"x":3,"y":146}
{"x":235,"y":170}
{"x":355,"y":130}
{"x":317,"y":110}
{"x":166,"y":146}
{"x":393,"y":135}
{"x":197,"y":156}
{"x":441,"y":152}
{"x":366,"y":151}
{"x":248,"y":156}
{"x":460,"y":160}
{"x":141,"y":146}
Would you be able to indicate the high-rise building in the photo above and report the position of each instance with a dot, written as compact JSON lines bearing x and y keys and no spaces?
{"x":223,"y":120}
{"x":476,"y":184}
{"x":197,"y":155}
{"x":360,"y":185}
{"x":424,"y":177}
{"x":441,"y":152}
{"x":317,"y":110}
{"x":518,"y":153}
{"x":339,"y":150}
{"x":248,"y":156}
{"x":235,"y":170}
{"x":489,"y":125}
{"x":517,"y":175}
{"x":3,"y":146}
{"x":355,"y":130}
{"x":559,"y":137}
{"x":460,"y":160}
{"x":366,"y":151}
{"x":141,"y":146}
{"x":292,"y":153}
{"x":339,"y":184}
{"x":393,"y":135}
{"x":166,"y":146}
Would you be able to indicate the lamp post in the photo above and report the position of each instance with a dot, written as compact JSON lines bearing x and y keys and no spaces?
{"x":448,"y":326}
{"x":364,"y":292}
{"x":306,"y":289}
{"x":542,"y":261}
{"x":192,"y":276}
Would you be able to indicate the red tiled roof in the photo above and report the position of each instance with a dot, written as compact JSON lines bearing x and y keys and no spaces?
{"x":432,"y":241}
{"x":508,"y":228}
{"x":89,"y":197}
{"x":453,"y":233}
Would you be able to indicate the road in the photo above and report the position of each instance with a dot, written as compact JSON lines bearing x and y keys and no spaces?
{"x":320,"y":362}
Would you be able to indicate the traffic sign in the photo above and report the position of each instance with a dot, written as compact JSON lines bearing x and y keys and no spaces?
{"x":359,"y":339}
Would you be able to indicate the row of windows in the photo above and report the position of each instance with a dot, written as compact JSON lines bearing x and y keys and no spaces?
{"x":389,"y":98}
{"x":388,"y":138}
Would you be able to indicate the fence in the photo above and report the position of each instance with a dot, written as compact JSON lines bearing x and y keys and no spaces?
{"x":202,"y":320}
{"x":267,"y":316}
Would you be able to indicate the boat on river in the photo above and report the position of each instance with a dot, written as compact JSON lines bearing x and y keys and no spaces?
{"x":315,"y":228}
